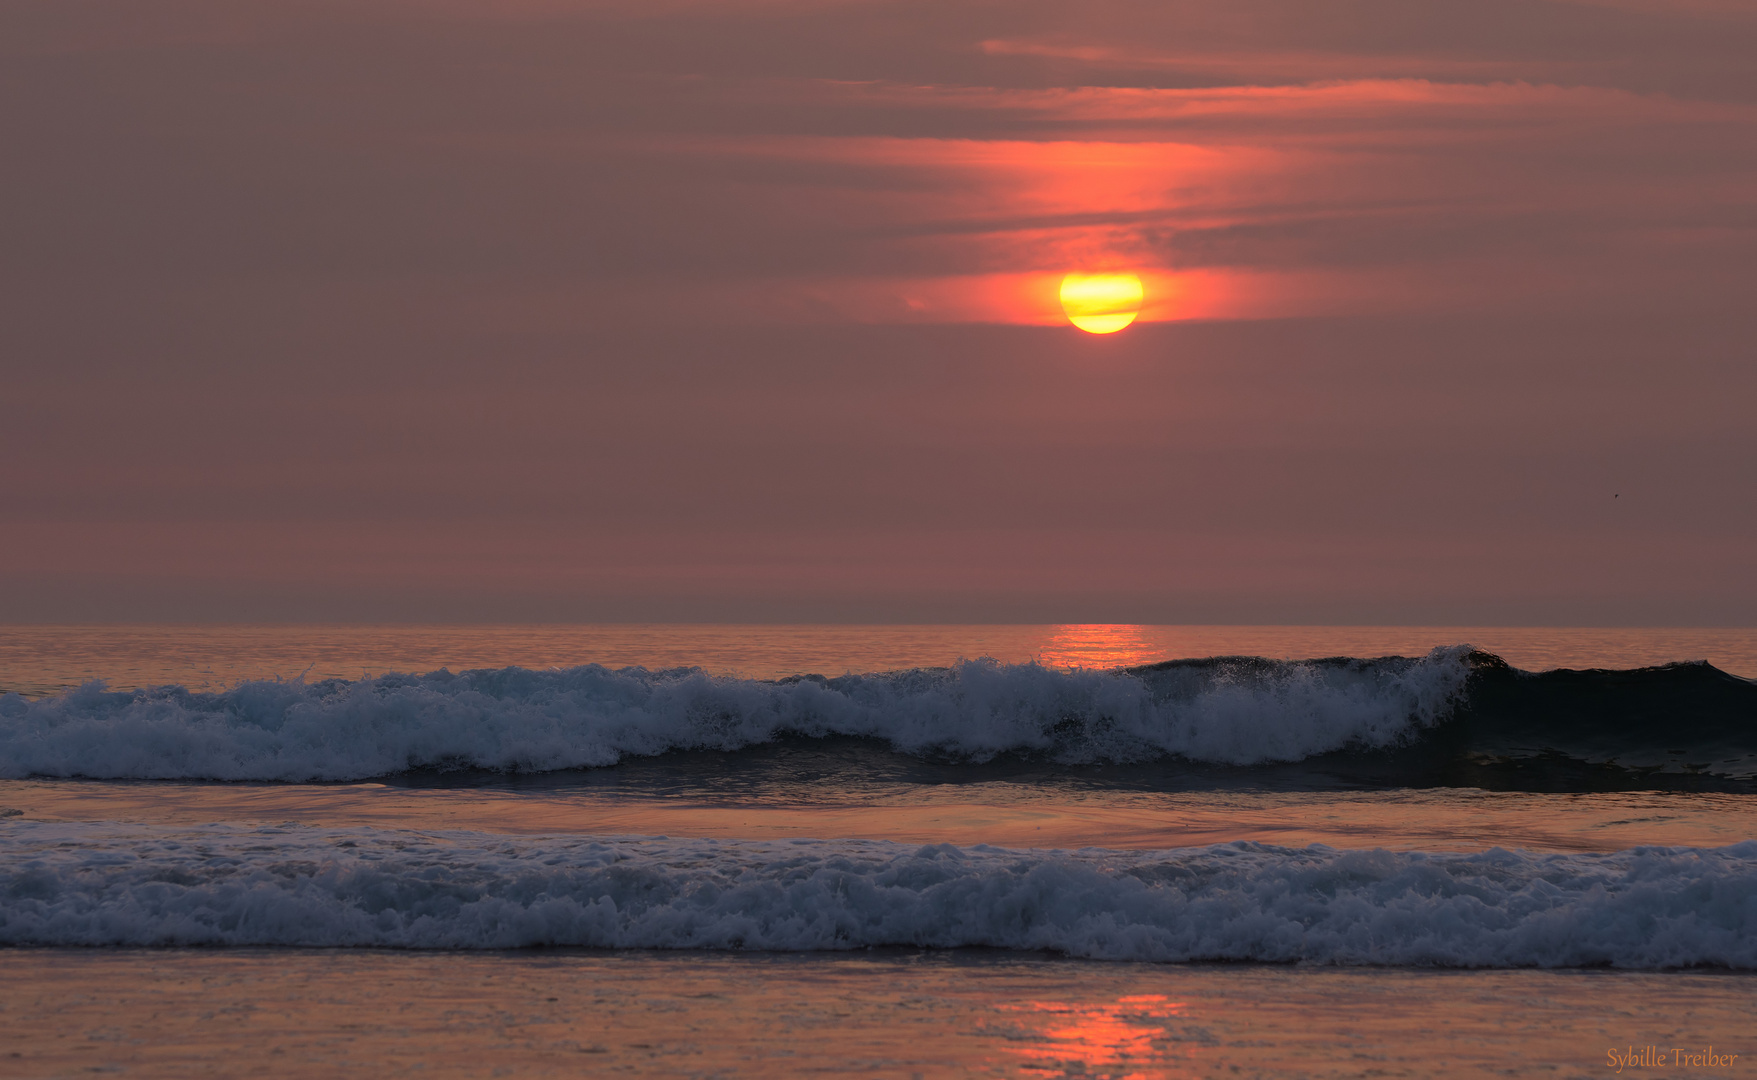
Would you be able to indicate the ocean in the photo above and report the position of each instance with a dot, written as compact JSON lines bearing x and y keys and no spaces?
{"x":1094,"y":851}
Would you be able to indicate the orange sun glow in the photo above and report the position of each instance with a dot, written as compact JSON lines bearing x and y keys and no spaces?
{"x":1101,"y":303}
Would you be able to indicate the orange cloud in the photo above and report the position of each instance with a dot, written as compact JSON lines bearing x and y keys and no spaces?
{"x":1002,"y":218}
{"x":1247,"y":201}
{"x":1287,"y":65}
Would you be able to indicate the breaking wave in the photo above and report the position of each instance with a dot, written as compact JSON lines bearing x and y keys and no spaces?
{"x":1236,"y":712}
{"x":105,"y":884}
{"x":1455,"y":717}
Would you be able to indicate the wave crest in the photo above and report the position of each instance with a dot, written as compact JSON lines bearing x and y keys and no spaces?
{"x":1239,"y":711}
{"x":101,"y":884}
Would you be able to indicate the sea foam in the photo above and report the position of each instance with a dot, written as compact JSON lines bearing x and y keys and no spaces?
{"x":108,"y":884}
{"x":1233,"y":713}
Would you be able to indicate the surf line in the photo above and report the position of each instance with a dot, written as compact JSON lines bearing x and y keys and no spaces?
{"x":1652,"y":1057}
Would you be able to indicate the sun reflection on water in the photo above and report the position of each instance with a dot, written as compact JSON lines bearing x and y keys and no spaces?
{"x":1122,"y":1040}
{"x":1098,"y":645}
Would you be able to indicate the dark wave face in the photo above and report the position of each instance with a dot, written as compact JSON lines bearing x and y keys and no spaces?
{"x":1453,"y":717}
{"x":1679,"y":726}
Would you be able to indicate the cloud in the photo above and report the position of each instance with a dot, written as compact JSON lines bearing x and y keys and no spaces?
{"x":1402,"y":193}
{"x":1278,"y":67}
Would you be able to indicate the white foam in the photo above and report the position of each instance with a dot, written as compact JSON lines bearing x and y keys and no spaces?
{"x":515,"y":719}
{"x":109,"y":884}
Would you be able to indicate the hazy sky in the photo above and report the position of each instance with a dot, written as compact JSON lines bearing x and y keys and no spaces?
{"x":745,"y":309}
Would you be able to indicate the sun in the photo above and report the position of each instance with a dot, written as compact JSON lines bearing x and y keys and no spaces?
{"x":1101,"y":303}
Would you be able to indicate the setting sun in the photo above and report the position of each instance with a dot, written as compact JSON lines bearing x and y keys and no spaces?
{"x":1101,"y":303}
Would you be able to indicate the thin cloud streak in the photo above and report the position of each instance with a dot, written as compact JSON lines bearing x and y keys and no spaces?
{"x":1405,"y":161}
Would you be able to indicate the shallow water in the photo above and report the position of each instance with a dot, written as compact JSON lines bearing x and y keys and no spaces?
{"x":183,"y":1013}
{"x":1003,"y":814}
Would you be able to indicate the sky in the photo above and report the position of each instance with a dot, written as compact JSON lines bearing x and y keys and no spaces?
{"x":745,"y":310}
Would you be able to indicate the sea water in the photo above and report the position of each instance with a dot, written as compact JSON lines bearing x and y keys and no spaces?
{"x":1095,"y":851}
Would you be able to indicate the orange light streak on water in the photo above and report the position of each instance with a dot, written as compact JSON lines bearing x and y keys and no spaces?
{"x":1120,"y":1040}
{"x":1099,"y":645}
